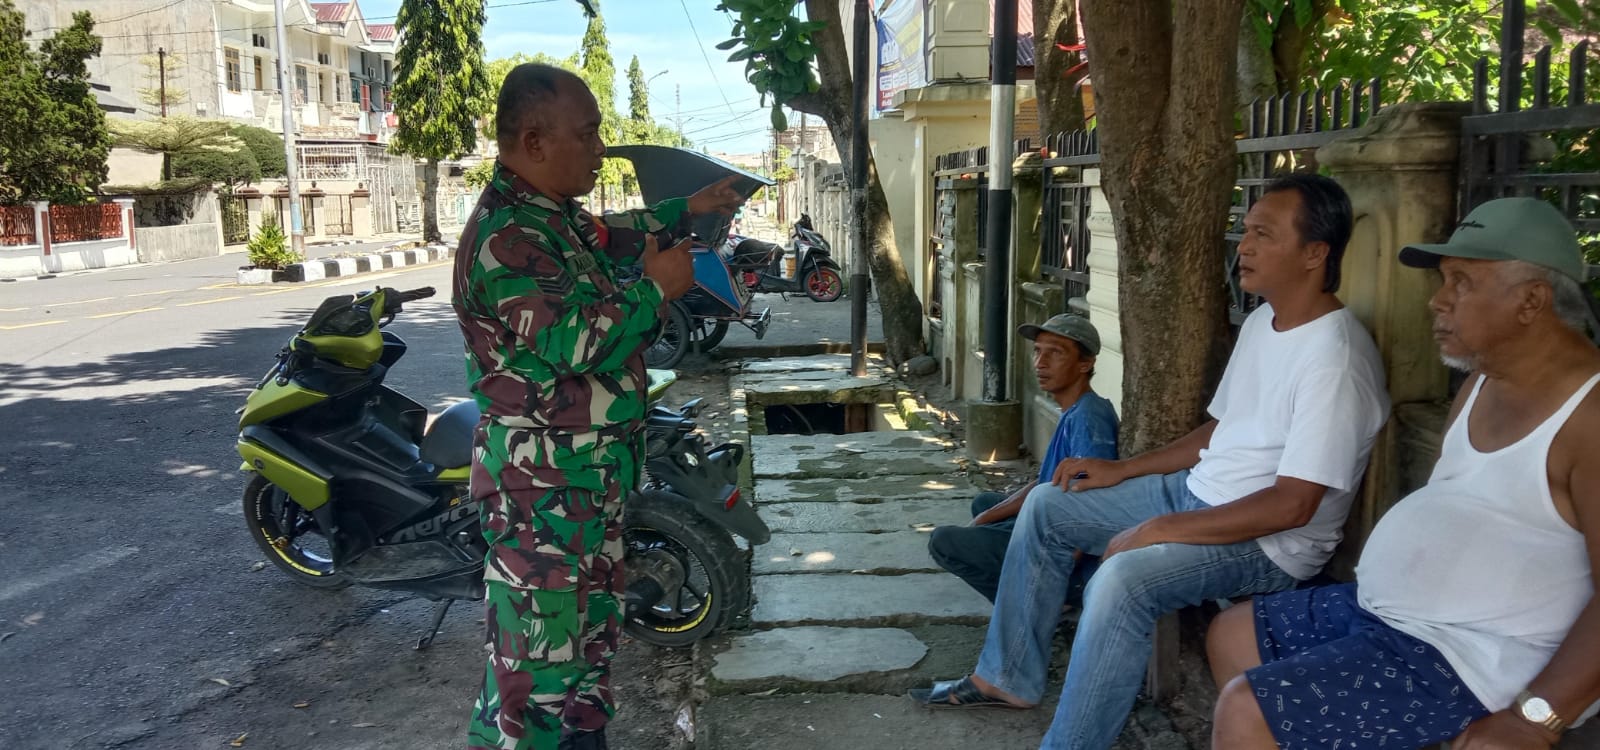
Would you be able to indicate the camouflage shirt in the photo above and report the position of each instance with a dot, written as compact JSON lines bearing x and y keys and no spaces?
{"x":554,"y":343}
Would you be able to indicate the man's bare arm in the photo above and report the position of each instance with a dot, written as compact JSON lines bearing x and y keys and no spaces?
{"x":1077,"y":474}
{"x":1290,"y":503}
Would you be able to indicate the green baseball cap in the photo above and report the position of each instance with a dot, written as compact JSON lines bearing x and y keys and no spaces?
{"x":1075,"y":327}
{"x":1525,"y":229}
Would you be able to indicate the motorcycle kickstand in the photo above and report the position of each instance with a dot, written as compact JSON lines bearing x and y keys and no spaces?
{"x":438,"y":620}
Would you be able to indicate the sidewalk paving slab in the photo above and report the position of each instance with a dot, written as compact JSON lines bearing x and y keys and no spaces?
{"x":881,"y":489}
{"x":857,"y":443}
{"x":792,"y":464}
{"x":874,"y":600}
{"x":889,"y":553}
{"x":869,"y":518}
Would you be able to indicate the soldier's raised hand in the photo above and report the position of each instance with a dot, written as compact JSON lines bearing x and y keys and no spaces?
{"x":718,"y":197}
{"x":672,"y":269}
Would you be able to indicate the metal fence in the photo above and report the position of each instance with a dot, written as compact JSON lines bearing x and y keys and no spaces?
{"x":16,"y":225}
{"x":97,"y":221}
{"x":1282,"y":135}
{"x":1064,"y":227}
{"x":1495,"y":161}
{"x":235,"y":219}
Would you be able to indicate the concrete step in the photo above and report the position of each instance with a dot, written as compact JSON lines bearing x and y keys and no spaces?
{"x":857,"y":443}
{"x":866,"y":600}
{"x":821,"y":659}
{"x":806,"y":464}
{"x":933,"y":488}
{"x":849,"y":720}
{"x":888,"y":553}
{"x":869,"y":517}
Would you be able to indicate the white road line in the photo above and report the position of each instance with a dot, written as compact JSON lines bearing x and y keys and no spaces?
{"x":32,"y":325}
{"x":205,"y":301}
{"x":126,"y":312}
{"x":78,"y":566}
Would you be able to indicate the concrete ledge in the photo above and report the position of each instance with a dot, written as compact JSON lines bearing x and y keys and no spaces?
{"x":330,"y":268}
{"x":866,"y":600}
{"x":762,"y":351}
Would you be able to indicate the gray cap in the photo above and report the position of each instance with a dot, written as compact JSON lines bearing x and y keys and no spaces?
{"x":1525,"y":229}
{"x":1075,"y":327}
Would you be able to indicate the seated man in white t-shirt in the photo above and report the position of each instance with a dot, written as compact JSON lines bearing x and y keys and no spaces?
{"x":1250,"y":502}
{"x":1474,"y":607}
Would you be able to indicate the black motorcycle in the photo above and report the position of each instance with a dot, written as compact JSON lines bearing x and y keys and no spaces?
{"x":352,"y":484}
{"x":760,"y":264}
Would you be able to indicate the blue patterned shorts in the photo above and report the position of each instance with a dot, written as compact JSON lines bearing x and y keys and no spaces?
{"x":1336,"y":677}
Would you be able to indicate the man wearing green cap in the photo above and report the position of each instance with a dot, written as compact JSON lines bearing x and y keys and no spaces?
{"x":1474,"y":612}
{"x":1250,"y":502}
{"x":1064,"y":348}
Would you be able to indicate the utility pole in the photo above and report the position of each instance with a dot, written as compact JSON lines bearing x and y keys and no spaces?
{"x":997,"y":266}
{"x":297,"y":227}
{"x":161,"y":58}
{"x":677,"y":108}
{"x":861,"y":234}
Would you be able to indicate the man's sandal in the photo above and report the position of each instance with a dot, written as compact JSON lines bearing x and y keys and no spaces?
{"x":957,"y":694}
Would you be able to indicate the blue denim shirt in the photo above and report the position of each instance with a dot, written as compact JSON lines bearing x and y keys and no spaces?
{"x":1087,"y":429}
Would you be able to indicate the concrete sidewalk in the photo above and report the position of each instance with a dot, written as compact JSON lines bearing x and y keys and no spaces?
{"x":850,"y":611}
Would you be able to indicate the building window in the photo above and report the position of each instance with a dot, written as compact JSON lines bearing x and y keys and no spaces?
{"x":322,"y":87}
{"x":302,"y":83}
{"x":261,"y":78}
{"x":230,"y":58}
{"x":338,"y":87}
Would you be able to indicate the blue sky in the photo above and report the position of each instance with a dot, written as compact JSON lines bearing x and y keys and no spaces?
{"x":720,"y":110}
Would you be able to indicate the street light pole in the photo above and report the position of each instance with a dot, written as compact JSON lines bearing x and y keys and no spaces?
{"x":297,"y":229}
{"x":861,"y":234}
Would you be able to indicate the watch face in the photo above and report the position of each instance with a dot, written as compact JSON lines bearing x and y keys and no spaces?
{"x":1536,"y":710}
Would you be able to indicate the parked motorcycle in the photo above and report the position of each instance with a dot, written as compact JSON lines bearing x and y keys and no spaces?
{"x":352,"y":484}
{"x":700,"y":318}
{"x":760,"y":264}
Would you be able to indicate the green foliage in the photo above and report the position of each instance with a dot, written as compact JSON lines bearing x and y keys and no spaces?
{"x":53,"y":137}
{"x":479,"y":176}
{"x":638,"y":93}
{"x":441,"y":79}
{"x":783,"y":172}
{"x":269,"y":248}
{"x":175,"y":136}
{"x":266,"y":146}
{"x":776,"y":49}
{"x":600,"y":73}
{"x":174,"y":186}
{"x":231,"y":169}
{"x":152,"y":93}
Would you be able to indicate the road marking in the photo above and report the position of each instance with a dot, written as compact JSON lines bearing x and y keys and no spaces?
{"x":32,"y":325}
{"x":275,"y":291}
{"x":12,"y":309}
{"x":152,"y":294}
{"x":219,"y":286}
{"x":80,"y":302}
{"x":127,"y":312}
{"x":79,"y":564}
{"x":206,"y":301}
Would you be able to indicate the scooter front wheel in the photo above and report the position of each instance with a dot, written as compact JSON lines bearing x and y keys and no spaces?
{"x":672,"y":340}
{"x":823,"y":284}
{"x":289,"y":536}
{"x":714,"y":332}
{"x":693,"y":570}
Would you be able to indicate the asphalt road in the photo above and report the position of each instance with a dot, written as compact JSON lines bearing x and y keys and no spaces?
{"x":132,"y":609}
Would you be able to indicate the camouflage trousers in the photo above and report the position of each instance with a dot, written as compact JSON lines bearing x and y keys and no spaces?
{"x":554,"y":608}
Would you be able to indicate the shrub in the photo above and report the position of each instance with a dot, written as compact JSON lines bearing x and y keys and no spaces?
{"x":269,"y":248}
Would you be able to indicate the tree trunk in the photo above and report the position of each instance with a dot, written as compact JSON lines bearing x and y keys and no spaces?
{"x":1164,"y":93}
{"x":897,"y":300}
{"x":1258,"y":78}
{"x":430,"y":200}
{"x":166,"y":166}
{"x":1060,"y":104}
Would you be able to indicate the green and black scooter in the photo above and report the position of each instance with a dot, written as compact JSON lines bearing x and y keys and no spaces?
{"x":353,"y":484}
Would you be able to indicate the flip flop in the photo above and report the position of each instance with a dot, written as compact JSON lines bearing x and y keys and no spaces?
{"x":957,"y":694}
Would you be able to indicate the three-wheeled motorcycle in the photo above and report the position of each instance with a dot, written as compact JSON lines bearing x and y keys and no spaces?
{"x":719,"y":297}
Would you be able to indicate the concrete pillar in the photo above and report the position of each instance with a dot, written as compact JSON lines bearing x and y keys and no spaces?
{"x":318,"y":216}
{"x":959,"y":321}
{"x":127,"y":222}
{"x":1104,"y":308}
{"x":42,"y":230}
{"x":1400,"y":171}
{"x":958,"y":45}
{"x":361,"y":212}
{"x":1027,"y":204}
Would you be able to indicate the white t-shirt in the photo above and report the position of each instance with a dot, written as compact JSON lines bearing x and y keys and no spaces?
{"x":1304,"y":403}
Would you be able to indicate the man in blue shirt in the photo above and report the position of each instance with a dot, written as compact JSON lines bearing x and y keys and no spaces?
{"x":1064,"y":349}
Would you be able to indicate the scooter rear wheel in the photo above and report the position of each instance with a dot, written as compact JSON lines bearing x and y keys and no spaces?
{"x":715,"y":587}
{"x":823,"y":284}
{"x":289,"y":536}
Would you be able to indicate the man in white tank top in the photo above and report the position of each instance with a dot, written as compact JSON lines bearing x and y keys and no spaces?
{"x":1251,"y":502}
{"x":1474,"y":612}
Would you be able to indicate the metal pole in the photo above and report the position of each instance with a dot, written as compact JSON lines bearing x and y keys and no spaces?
{"x":861,"y":236}
{"x":297,"y":227}
{"x":161,"y":58}
{"x":997,"y":264}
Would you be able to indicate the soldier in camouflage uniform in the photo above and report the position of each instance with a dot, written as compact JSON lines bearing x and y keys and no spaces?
{"x":555,"y":357}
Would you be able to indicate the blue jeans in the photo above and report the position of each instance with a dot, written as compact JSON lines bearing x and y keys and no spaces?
{"x":1124,"y":599}
{"x":975,"y":553}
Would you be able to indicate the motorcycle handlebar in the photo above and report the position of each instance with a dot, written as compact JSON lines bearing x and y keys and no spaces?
{"x":412,"y":295}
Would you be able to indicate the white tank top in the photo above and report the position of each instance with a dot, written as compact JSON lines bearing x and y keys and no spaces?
{"x":1479,"y":564}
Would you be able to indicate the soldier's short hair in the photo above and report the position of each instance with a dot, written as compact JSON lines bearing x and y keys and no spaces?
{"x":529,"y":91}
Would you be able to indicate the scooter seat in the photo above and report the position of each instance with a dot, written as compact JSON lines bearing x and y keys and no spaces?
{"x":448,"y":441}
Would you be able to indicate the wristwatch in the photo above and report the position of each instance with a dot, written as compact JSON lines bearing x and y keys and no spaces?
{"x":1538,"y":711}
